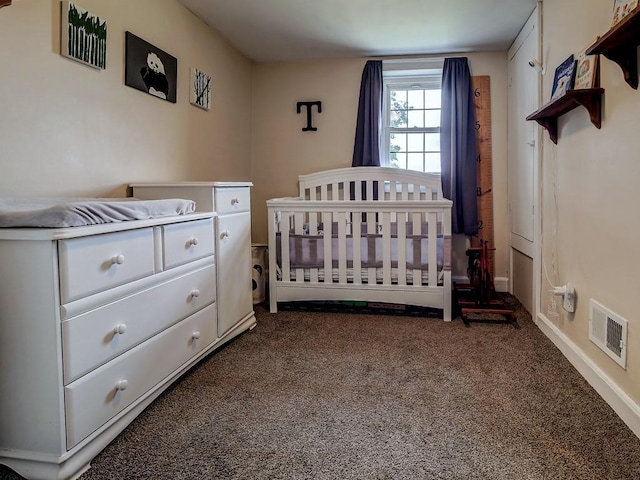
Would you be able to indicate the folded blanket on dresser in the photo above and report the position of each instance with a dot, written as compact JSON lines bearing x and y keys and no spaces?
{"x":44,"y":212}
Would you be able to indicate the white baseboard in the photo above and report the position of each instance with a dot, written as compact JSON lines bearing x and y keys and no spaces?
{"x":501,"y":284}
{"x":622,"y":404}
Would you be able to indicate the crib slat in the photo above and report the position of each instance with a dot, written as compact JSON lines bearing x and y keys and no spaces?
{"x":324,"y":195}
{"x":369,"y":187}
{"x":328,"y":264}
{"x":342,"y":246}
{"x":298,"y":230}
{"x":358,"y":191}
{"x":433,"y":248}
{"x":402,"y":248}
{"x":335,"y":189}
{"x":313,"y":231}
{"x":356,"y":231}
{"x":405,"y":191}
{"x":386,"y":248}
{"x":371,"y":230}
{"x":285,"y":225}
{"x":416,"y":219}
{"x":380,"y":190}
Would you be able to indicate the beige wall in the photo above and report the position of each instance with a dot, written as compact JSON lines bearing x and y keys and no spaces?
{"x":590,"y":193}
{"x":69,"y":129}
{"x":281,"y":151}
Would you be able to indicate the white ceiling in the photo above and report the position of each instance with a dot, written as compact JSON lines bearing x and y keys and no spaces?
{"x":291,"y":30}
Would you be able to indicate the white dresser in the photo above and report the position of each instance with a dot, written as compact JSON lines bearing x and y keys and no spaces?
{"x":232,"y":203}
{"x":95,"y":322}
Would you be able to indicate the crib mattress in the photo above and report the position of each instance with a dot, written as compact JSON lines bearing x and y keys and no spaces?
{"x":43,"y":212}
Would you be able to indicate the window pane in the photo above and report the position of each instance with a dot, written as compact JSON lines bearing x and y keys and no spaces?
{"x":399,"y":160}
{"x":398,"y":142}
{"x":414,"y":161}
{"x":398,"y":119}
{"x":416,"y":99}
{"x":432,"y":118}
{"x":415,"y":118}
{"x":415,"y":142}
{"x":399,"y":99}
{"x":398,"y":105}
{"x":433,"y":98}
{"x":432,"y":162}
{"x":432,"y":142}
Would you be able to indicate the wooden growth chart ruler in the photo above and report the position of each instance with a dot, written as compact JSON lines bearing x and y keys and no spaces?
{"x":482,"y":100}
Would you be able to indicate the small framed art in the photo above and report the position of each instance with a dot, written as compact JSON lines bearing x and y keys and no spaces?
{"x":200,"y":89}
{"x":622,"y":8}
{"x":150,"y":69}
{"x":83,"y":36}
{"x":563,"y":79}
{"x":586,"y":71}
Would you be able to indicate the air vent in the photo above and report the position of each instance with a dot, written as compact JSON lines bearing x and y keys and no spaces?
{"x":609,"y":332}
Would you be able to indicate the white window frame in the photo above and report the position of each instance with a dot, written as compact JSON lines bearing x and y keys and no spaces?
{"x":401,"y":75}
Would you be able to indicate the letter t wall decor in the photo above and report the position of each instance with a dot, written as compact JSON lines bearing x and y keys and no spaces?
{"x":309,"y":106}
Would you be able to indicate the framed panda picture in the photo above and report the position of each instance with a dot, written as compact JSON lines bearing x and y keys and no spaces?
{"x":149,"y":69}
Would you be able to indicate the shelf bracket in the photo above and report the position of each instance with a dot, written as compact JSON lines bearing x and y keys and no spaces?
{"x":627,"y":60}
{"x":593,"y":104}
{"x":551,"y":125}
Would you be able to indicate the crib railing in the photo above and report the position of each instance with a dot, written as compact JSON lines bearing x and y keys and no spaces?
{"x":347,"y":227}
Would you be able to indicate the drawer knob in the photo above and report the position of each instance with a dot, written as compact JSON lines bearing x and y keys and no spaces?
{"x":194,"y":241}
{"x":122,"y":385}
{"x":235,"y":201}
{"x":224,"y":234}
{"x":120,"y":329}
{"x":195,"y":293}
{"x":119,"y":259}
{"x":196,"y":335}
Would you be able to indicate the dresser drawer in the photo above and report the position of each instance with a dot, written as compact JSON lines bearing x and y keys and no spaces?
{"x":92,"y":264}
{"x":95,"y":337}
{"x":186,"y":242}
{"x":232,"y":200}
{"x":97,"y":397}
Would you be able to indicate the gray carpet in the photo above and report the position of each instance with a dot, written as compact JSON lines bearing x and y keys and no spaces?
{"x":309,"y":395}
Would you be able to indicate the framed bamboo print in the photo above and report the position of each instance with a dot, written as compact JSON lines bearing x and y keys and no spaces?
{"x":200,"y":89}
{"x":83,"y":36}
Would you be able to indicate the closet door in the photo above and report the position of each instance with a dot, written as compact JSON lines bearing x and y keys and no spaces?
{"x":525,"y":77}
{"x":522,"y":139}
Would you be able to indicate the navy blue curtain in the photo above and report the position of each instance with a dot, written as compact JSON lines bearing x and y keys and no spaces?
{"x":458,"y":147}
{"x":366,"y":149}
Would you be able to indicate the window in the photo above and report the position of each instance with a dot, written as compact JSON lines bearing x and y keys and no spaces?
{"x":411,"y":120}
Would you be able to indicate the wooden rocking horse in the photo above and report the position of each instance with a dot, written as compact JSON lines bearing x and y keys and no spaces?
{"x":480,"y":292}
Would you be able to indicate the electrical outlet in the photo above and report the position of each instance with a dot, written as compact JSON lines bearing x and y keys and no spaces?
{"x":569,"y":299}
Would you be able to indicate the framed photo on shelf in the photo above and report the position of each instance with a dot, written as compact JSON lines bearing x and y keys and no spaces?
{"x":563,"y":78}
{"x":586,"y":71}
{"x":622,"y":8}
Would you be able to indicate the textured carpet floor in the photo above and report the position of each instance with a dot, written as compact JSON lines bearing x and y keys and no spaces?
{"x":309,"y":395}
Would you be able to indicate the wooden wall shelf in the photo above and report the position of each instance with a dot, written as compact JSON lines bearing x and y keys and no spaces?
{"x":620,"y":44}
{"x":5,"y":3}
{"x":589,"y":98}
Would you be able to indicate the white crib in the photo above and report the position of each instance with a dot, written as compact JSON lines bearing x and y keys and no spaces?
{"x":370,"y":234}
